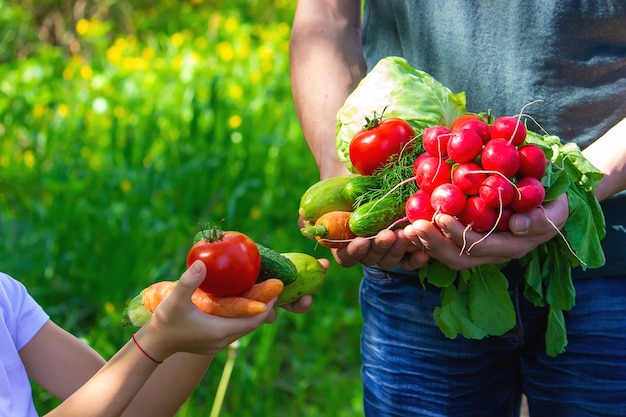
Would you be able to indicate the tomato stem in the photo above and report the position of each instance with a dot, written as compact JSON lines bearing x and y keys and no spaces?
{"x":375,"y":121}
{"x":212,"y":233}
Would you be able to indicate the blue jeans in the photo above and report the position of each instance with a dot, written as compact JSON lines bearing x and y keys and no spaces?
{"x":411,"y":369}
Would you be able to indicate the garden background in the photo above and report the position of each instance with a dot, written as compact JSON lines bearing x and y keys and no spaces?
{"x":123,"y":125}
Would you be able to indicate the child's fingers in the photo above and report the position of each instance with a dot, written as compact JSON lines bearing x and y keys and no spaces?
{"x":191,"y":279}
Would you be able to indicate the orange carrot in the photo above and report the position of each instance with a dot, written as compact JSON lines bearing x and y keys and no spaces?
{"x":233,"y":306}
{"x":236,"y":306}
{"x":331,"y":229}
{"x":152,"y":296}
{"x":264,"y":291}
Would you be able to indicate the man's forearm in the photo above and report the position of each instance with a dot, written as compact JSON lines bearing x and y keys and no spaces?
{"x":326,"y":65}
{"x":608,"y":154}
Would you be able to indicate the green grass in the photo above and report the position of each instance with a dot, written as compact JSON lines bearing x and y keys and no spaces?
{"x":109,"y":159}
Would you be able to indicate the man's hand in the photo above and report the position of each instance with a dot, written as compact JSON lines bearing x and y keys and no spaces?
{"x":448,"y":240}
{"x":386,"y":250}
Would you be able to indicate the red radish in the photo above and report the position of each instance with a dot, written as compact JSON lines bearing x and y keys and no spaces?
{"x":430,"y":172}
{"x":435,"y":140}
{"x":464,"y":145}
{"x":477,"y":215}
{"x":468,"y":176}
{"x":448,"y":198}
{"x":477,"y":125}
{"x":496,"y":191}
{"x":500,"y":155}
{"x":531,"y":195}
{"x":532,"y":161}
{"x":510,"y":128}
{"x":503,"y":222}
{"x":418,"y":207}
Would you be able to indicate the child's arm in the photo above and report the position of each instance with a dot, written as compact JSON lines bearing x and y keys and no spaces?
{"x":178,"y":334}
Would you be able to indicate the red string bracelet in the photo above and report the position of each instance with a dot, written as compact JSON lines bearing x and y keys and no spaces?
{"x":144,"y":352}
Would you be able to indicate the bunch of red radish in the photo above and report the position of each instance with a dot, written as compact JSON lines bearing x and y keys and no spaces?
{"x":477,"y":172}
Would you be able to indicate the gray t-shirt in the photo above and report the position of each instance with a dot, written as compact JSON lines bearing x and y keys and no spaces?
{"x":504,"y":54}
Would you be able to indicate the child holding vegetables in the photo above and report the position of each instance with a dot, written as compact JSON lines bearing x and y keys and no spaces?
{"x":572,"y":56}
{"x":152,"y":375}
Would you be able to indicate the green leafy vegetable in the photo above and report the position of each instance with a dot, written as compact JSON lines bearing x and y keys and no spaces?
{"x":489,"y":302}
{"x":453,"y":317}
{"x":401,"y":91}
{"x":556,"y":334}
{"x":475,"y":302}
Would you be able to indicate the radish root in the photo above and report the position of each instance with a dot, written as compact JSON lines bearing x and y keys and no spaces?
{"x":569,"y":247}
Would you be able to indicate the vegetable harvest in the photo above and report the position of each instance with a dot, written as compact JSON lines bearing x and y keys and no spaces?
{"x":480,"y":169}
{"x":287,"y":276}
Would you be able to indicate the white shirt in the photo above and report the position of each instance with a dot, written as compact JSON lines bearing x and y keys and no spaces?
{"x":20,"y":320}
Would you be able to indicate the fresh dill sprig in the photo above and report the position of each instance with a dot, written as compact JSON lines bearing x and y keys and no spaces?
{"x":399,"y":169}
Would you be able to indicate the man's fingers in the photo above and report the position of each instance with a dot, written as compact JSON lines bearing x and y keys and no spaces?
{"x":352,"y":254}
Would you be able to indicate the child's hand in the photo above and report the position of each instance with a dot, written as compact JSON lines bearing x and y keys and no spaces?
{"x":178,"y":326}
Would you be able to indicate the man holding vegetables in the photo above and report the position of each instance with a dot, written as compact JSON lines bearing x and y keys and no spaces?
{"x":152,"y":375}
{"x":570,"y":55}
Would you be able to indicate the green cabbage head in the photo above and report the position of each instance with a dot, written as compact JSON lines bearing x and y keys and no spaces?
{"x":398,"y":89}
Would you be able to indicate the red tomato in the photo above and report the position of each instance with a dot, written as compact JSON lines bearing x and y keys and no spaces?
{"x":232,"y":262}
{"x":456,"y":124}
{"x":371,"y":147}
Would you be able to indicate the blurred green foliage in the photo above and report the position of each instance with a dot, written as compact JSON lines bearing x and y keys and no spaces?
{"x":123,"y":125}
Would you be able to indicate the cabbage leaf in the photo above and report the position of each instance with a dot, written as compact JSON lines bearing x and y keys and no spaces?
{"x":398,"y":90}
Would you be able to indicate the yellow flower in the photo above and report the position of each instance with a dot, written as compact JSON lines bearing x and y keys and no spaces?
{"x":283,"y":29}
{"x":177,"y":62}
{"x":86,"y":72}
{"x":141,"y":64}
{"x":119,"y":112}
{"x":68,"y":74}
{"x":266,"y":52}
{"x":255,"y":213}
{"x":148,"y":53}
{"x":96,"y":27}
{"x":129,"y":63}
{"x":231,"y":25}
{"x":109,"y":307}
{"x":126,"y":186}
{"x":82,"y":26}
{"x":243,"y":51}
{"x":201,"y":43}
{"x":177,"y":39}
{"x":63,"y":110}
{"x":114,"y":53}
{"x":255,"y":77}
{"x":39,"y":110}
{"x":225,"y":51}
{"x":77,"y":60}
{"x":234,"y":121}
{"x":29,"y":159}
{"x":235,"y":92}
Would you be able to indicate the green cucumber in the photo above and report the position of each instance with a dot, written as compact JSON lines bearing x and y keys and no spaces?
{"x":324,"y":196}
{"x":275,"y":265}
{"x":360,"y":185}
{"x":372,"y":217}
